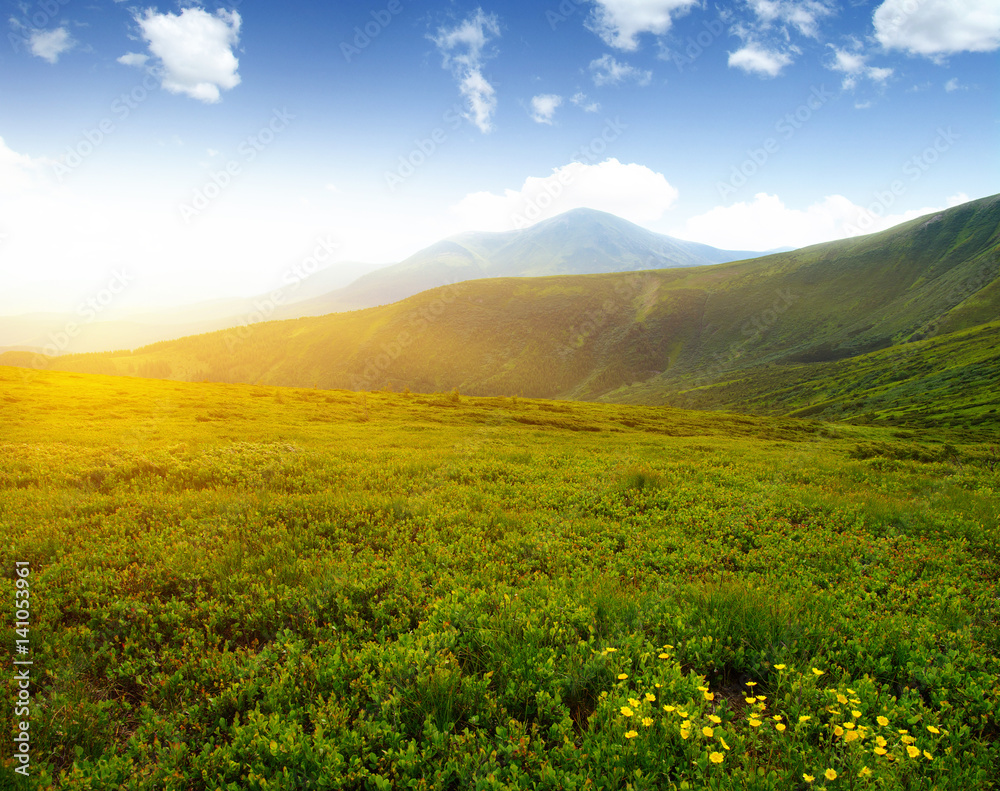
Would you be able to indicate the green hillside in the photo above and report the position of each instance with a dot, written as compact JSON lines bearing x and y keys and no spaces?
{"x":774,"y":323}
{"x":242,"y":588}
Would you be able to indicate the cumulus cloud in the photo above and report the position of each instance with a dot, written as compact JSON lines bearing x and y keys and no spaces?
{"x":193,"y":51}
{"x":629,"y":190}
{"x":802,"y":16}
{"x":619,"y":23}
{"x":608,"y":71}
{"x":755,"y":59}
{"x":544,"y":106}
{"x":580,"y":100}
{"x":854,"y":66}
{"x":766,"y":223}
{"x":50,"y":44}
{"x":936,"y":28}
{"x":464,"y":49}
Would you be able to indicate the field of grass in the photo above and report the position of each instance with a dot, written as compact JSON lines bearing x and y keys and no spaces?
{"x":240,"y":587}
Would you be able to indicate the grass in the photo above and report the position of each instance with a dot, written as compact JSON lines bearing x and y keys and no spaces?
{"x":240,"y":587}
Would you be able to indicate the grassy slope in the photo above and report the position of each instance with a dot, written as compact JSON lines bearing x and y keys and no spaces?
{"x":247,"y":587}
{"x":588,"y":337}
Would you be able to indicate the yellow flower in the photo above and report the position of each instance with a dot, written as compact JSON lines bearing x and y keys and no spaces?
{"x":907,"y":739}
{"x":626,"y":711}
{"x":762,"y":697}
{"x":703,"y":689}
{"x":650,"y":697}
{"x":865,"y":772}
{"x":715,"y":758}
{"x":928,"y":756}
{"x":804,"y":718}
{"x":754,"y":723}
{"x":622,"y":676}
{"x":633,"y":702}
{"x":751,"y":683}
{"x":841,"y":699}
{"x":932,"y":729}
{"x":882,"y":721}
{"x":723,"y":743}
{"x":683,"y":714}
{"x":777,"y":718}
{"x":709,"y":695}
{"x":838,"y":731}
{"x":610,"y":650}
{"x":779,"y":667}
{"x":707,"y":732}
{"x":668,"y":647}
{"x":849,"y":726}
{"x":647,"y":721}
{"x":685,"y":733}
{"x":851,"y":736}
{"x":880,"y":741}
{"x":658,"y":686}
{"x":780,"y":727}
{"x":880,"y":750}
{"x":750,"y":701}
{"x":670,"y":708}
{"x":714,"y":718}
{"x":808,"y":778}
{"x":664,"y":656}
{"x":855,"y":713}
{"x":630,"y":734}
{"x":830,"y":774}
{"x":817,"y":672}
{"x":851,"y":691}
{"x":912,"y":751}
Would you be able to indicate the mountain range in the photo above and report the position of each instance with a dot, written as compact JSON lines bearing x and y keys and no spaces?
{"x":582,"y":241}
{"x":887,"y":326}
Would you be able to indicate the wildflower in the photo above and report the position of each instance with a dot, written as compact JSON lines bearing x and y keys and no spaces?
{"x":751,"y":683}
{"x":762,"y":697}
{"x":754,"y":723}
{"x":709,"y":695}
{"x":707,"y":732}
{"x":715,"y":719}
{"x":647,"y":722}
{"x":779,"y":667}
{"x":780,"y":727}
{"x":849,"y":726}
{"x":865,"y":772}
{"x":650,"y":697}
{"x":685,"y":733}
{"x":880,"y":750}
{"x":881,"y":720}
{"x":777,"y":718}
{"x":880,"y":741}
{"x":622,"y":676}
{"x":851,"y":691}
{"x":907,"y":739}
{"x":631,"y":734}
{"x":669,"y":708}
{"x":633,"y":702}
{"x":626,"y":711}
{"x":932,"y":729}
{"x":715,"y":758}
{"x":664,"y":656}
{"x":703,"y":689}
{"x":817,"y":672}
{"x":723,"y":743}
{"x":683,"y":714}
{"x":912,"y":751}
{"x":851,"y":736}
{"x":750,"y":701}
{"x":610,"y":650}
{"x":838,"y":731}
{"x":830,"y":774}
{"x":658,"y":686}
{"x":808,"y":778}
{"x":855,"y":713}
{"x":841,"y":699}
{"x":804,"y":718}
{"x":928,"y":756}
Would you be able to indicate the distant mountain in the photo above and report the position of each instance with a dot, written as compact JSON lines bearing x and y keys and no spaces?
{"x":801,"y":332}
{"x":578,"y":242}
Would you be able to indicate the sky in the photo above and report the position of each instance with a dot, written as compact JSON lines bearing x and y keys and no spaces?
{"x":179,"y":152}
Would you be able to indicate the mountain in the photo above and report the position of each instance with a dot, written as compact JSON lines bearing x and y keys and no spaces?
{"x":578,"y":242}
{"x":49,"y":332}
{"x":811,"y":326}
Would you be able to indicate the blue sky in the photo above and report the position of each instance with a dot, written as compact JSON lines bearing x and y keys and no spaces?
{"x":205,"y":150}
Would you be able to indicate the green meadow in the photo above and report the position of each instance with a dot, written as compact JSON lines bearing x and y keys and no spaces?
{"x":244,"y":587}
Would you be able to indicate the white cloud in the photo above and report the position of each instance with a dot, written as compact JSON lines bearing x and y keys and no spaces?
{"x":620,"y":22}
{"x":608,"y":71}
{"x":581,"y":101}
{"x":464,"y":49}
{"x":800,"y":15}
{"x":629,"y":190}
{"x":194,"y":51}
{"x":766,"y":222}
{"x":755,"y":59}
{"x":952,"y":85}
{"x":853,"y":65}
{"x":50,"y":44}
{"x":938,"y":27}
{"x":544,"y":106}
